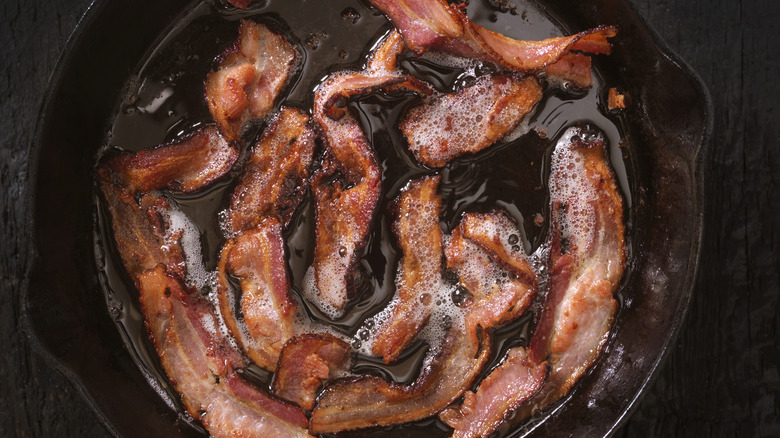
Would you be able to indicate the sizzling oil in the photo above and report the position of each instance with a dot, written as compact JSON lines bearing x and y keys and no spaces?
{"x":164,"y":99}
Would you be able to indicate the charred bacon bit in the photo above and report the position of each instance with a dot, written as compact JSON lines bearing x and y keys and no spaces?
{"x":306,"y":363}
{"x":438,"y":25}
{"x":250,"y":76}
{"x":419,"y":272}
{"x":347,"y":188}
{"x":275,"y":178}
{"x":256,"y":259}
{"x":506,"y":387}
{"x":184,"y":165}
{"x":356,"y":403}
{"x":495,"y":271}
{"x":616,"y":100}
{"x":470,"y":120}
{"x":201,"y":365}
{"x":588,"y":256}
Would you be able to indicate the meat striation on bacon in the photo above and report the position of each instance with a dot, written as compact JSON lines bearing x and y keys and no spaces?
{"x":307,"y":362}
{"x":201,"y":365}
{"x":256,"y":259}
{"x":347,"y":187}
{"x":484,"y":252}
{"x":447,"y":126}
{"x":275,"y":177}
{"x":366,"y":401}
{"x":438,"y":25}
{"x":250,"y":76}
{"x":419,"y":272}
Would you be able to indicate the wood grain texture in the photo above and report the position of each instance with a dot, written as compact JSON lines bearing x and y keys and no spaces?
{"x":722,"y":378}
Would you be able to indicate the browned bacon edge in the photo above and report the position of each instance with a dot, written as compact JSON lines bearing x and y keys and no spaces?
{"x":256,"y":259}
{"x":250,"y":76}
{"x":437,"y":25}
{"x":470,"y":120}
{"x":419,"y":271}
{"x":307,"y":362}
{"x":275,"y":177}
{"x":347,"y":187}
{"x":366,"y":401}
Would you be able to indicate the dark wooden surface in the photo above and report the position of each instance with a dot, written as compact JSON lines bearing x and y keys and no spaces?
{"x":722,"y":379}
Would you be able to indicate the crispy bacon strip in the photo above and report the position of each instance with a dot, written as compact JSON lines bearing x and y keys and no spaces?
{"x":468,"y":121}
{"x":307,"y":362}
{"x":347,"y":188}
{"x":252,"y":73}
{"x":419,"y":272}
{"x":184,"y":165}
{"x":503,"y":390}
{"x":355,"y":403}
{"x":588,"y":257}
{"x":493,"y":270}
{"x":201,"y":365}
{"x":275,"y":178}
{"x":437,"y":25}
{"x":256,"y":259}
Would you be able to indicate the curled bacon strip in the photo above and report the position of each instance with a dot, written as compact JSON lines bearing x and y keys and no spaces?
{"x":306,"y":363}
{"x":201,"y":365}
{"x":347,"y":188}
{"x":437,"y":25}
{"x":419,"y":272}
{"x":470,"y":120}
{"x":256,"y":259}
{"x":251,"y":75}
{"x":494,"y":271}
{"x":354,"y":403}
{"x":274,"y":179}
{"x":588,"y":257}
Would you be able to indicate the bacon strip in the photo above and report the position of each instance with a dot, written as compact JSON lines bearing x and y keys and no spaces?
{"x":251,"y":75}
{"x":184,"y":165}
{"x":437,"y":25}
{"x":347,"y":188}
{"x":419,"y":272}
{"x":354,"y":403}
{"x":307,"y":362}
{"x":274,"y":179}
{"x":256,"y":259}
{"x":506,"y":387}
{"x":201,"y":364}
{"x":468,"y":121}
{"x":493,"y":270}
{"x":588,"y":257}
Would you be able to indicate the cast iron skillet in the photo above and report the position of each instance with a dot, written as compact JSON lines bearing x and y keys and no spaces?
{"x":63,"y":307}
